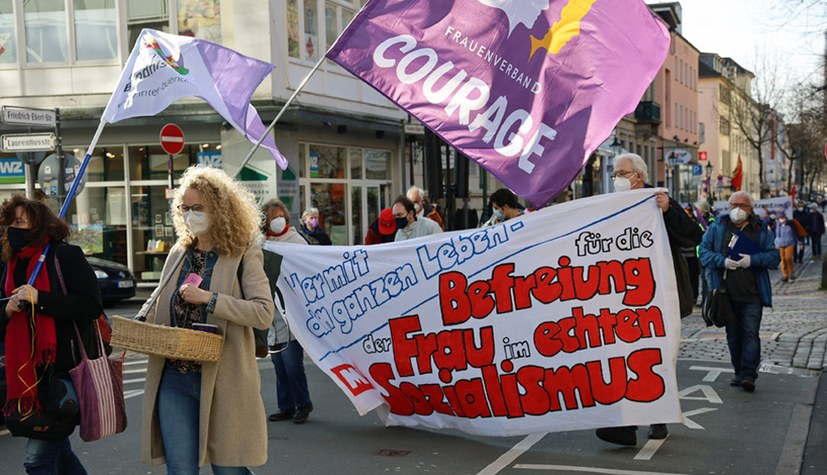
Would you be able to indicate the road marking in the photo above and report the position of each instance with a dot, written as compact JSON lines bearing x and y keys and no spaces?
{"x":709,"y":394}
{"x":648,"y":450}
{"x":4,"y":432}
{"x":505,"y":459}
{"x":692,"y":424}
{"x":712,"y":373}
{"x":572,"y":468}
{"x":133,"y":393}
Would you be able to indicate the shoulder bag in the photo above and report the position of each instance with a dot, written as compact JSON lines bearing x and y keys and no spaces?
{"x":99,"y":387}
{"x":717,"y":309}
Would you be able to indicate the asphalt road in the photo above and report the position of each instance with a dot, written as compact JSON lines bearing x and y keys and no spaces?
{"x":726,"y":431}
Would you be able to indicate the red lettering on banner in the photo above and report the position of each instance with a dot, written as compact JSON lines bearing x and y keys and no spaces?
{"x":531,"y":390}
{"x":449,"y":350}
{"x":506,"y":292}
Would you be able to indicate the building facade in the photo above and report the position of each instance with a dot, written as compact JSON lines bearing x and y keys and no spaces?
{"x":344,"y":142}
{"x":724,"y":88}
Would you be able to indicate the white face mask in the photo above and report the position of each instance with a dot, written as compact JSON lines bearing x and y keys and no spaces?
{"x":277,"y":225}
{"x":737,"y":215}
{"x":622,"y":183}
{"x":417,"y":207}
{"x":198,"y":222}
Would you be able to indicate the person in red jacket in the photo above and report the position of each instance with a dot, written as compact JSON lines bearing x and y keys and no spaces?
{"x":382,"y":229}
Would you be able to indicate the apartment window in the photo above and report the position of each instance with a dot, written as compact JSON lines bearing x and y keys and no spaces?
{"x":304,"y":39}
{"x":142,"y":14}
{"x":8,"y":45}
{"x":96,"y":28}
{"x":46,"y":31}
{"x":723,"y":126}
{"x":725,"y":94}
{"x":200,"y":18}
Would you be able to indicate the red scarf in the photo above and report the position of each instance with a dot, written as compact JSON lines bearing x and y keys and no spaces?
{"x":27,"y":350}
{"x":271,"y":235}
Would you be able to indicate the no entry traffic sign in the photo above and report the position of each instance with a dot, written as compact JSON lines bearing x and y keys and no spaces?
{"x":172,"y":139}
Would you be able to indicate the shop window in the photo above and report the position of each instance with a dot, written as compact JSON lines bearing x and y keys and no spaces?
{"x":46,"y":31}
{"x":152,"y":230}
{"x":329,"y":198}
{"x":105,"y":163}
{"x":8,"y":45}
{"x":355,"y":163}
{"x":377,"y":164}
{"x":98,"y":220}
{"x":327,"y":162}
{"x":200,"y":19}
{"x":149,"y":162}
{"x":96,"y":28}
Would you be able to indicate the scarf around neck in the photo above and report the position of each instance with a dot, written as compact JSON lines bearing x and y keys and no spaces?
{"x":31,"y":342}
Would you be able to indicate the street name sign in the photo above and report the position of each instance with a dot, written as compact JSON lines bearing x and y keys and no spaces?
{"x":42,"y":142}
{"x":33,"y":117}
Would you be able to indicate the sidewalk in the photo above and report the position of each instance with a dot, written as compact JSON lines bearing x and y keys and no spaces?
{"x":793,"y":341}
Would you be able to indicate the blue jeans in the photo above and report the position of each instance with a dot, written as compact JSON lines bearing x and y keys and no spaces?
{"x":179,"y":399}
{"x":52,"y":457}
{"x":291,"y":381}
{"x":742,"y":339}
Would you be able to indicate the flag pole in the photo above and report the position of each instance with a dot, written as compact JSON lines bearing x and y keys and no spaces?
{"x":278,"y":116}
{"x":69,"y":197}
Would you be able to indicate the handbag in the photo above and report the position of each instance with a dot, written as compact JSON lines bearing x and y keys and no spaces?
{"x":53,"y":420}
{"x":717,"y":308}
{"x":99,"y":386}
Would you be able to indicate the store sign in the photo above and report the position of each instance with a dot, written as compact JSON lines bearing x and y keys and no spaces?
{"x":703,"y":156}
{"x":12,"y":170}
{"x":678,"y":157}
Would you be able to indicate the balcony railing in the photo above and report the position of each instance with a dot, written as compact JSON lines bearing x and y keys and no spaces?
{"x":648,"y":112}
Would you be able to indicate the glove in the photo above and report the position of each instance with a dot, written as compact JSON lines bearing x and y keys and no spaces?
{"x":745,"y":261}
{"x":731,"y":264}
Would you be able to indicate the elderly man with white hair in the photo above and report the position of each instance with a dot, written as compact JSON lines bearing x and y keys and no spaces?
{"x":631,"y":173}
{"x":746,"y":277}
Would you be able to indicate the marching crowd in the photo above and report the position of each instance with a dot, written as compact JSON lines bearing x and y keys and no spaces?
{"x":219,"y":274}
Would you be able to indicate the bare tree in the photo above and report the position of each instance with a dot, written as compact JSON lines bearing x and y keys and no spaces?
{"x":807,"y":138}
{"x":754,"y":109}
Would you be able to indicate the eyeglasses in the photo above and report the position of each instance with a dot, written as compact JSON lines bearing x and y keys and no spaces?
{"x":623,"y":174}
{"x":740,"y":205}
{"x":196,"y":208}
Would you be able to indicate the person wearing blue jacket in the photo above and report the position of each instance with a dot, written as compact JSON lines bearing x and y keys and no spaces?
{"x":747,"y":280}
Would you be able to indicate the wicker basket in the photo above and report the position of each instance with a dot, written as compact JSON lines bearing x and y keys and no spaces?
{"x":168,"y":342}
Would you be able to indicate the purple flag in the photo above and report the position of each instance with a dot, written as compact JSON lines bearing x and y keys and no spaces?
{"x":164,"y":68}
{"x":526,"y":88}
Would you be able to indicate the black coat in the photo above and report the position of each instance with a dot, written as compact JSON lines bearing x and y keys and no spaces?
{"x":81,"y":303}
{"x":683,"y":232}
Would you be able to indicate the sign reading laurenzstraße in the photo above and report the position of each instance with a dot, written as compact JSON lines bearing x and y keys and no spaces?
{"x":28,"y":142}
{"x":23,"y":116}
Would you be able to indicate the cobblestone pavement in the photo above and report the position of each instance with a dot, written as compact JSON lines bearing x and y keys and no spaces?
{"x":793,"y":332}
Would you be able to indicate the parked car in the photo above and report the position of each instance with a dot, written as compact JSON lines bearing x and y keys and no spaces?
{"x":115,"y":281}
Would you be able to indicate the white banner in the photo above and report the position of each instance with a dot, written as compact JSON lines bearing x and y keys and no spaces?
{"x":566,"y":318}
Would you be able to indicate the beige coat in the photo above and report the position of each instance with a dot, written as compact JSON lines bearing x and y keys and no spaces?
{"x":233,"y":429}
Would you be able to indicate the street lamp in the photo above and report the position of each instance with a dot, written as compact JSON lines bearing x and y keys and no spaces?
{"x":709,"y":168}
{"x":616,"y":146}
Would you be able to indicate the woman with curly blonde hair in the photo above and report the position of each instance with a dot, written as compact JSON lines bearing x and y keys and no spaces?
{"x":193,"y":411}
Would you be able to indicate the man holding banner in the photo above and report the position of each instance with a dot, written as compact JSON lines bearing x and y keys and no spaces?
{"x":631,"y":173}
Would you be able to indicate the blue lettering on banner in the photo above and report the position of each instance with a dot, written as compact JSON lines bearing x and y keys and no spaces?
{"x":459,"y":249}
